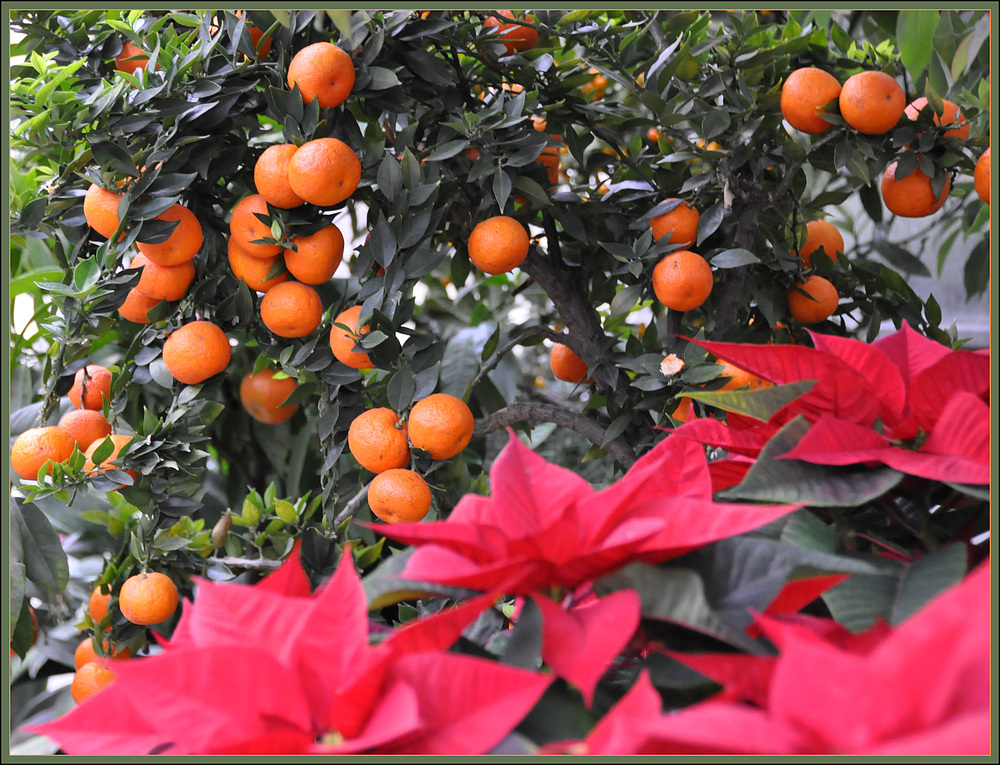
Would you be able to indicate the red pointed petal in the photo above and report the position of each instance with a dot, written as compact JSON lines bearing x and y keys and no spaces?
{"x":743,"y":677}
{"x":714,"y":433}
{"x":798,"y":594}
{"x":844,"y":395}
{"x":837,"y":442}
{"x":438,"y":631}
{"x":580,"y":644}
{"x":963,"y":429}
{"x":625,"y":723}
{"x":933,"y":388}
{"x":728,"y":472}
{"x":883,"y":377}
{"x":290,"y":579}
{"x":910,"y":351}
{"x":396,"y":716}
{"x":470,"y":705}
{"x":969,"y":734}
{"x":438,"y":564}
{"x":780,"y":364}
{"x":528,"y":492}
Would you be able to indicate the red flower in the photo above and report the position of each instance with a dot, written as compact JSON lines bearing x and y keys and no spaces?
{"x":928,"y":402}
{"x":544,"y":527}
{"x":920,"y":689}
{"x":272,"y":669}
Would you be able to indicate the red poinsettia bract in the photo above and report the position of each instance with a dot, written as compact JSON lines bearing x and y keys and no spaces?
{"x":920,"y":689}
{"x":545,"y":527}
{"x":904,"y":401}
{"x":272,"y":669}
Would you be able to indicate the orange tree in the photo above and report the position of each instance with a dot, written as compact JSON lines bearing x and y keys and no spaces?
{"x":581,"y":134}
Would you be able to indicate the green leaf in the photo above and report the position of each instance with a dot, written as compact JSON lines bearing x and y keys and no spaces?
{"x":675,"y":595}
{"x":383,"y":587}
{"x":804,"y":529}
{"x":793,"y":481}
{"x":45,"y":562}
{"x":896,"y":595}
{"x":401,"y":389}
{"x":915,"y":37}
{"x":734,"y":258}
{"x":760,"y":404}
{"x":524,"y":643}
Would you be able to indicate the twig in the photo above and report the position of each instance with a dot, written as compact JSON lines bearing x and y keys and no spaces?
{"x":351,"y":507}
{"x":523,"y":411}
{"x":248,"y":564}
{"x":509,"y":346}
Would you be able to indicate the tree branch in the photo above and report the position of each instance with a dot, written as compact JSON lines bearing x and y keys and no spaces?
{"x":566,"y":418}
{"x":247,"y":564}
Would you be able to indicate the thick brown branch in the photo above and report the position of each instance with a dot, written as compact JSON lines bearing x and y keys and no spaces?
{"x":566,"y":418}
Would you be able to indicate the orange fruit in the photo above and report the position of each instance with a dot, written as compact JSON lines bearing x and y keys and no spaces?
{"x":912,"y":196}
{"x":246,"y":227}
{"x":399,"y":496}
{"x":441,"y":425}
{"x":566,"y":365}
{"x":253,"y":270}
{"x":262,"y":396}
{"x":163,"y":282}
{"x":950,"y":115}
{"x":654,"y":135}
{"x":148,"y":598}
{"x":136,"y":306}
{"x":85,"y":653}
{"x":342,"y":343}
{"x":817,"y":304}
{"x":131,"y":58}
{"x":803,"y":93}
{"x":291,"y":309}
{"x":182,"y":244}
{"x":514,"y":37}
{"x":86,"y":426}
{"x":740,"y":378}
{"x":196,"y":351}
{"x":120,"y":440}
{"x":255,"y":35}
{"x":377,"y":439}
{"x":88,"y":680}
{"x":100,"y":208}
{"x":98,"y":605}
{"x":317,"y":256}
{"x":36,"y":446}
{"x":981,"y":176}
{"x":821,"y":234}
{"x":872,"y":102}
{"x":681,"y":224}
{"x":91,"y":385}
{"x":324,"y":172}
{"x":498,"y":245}
{"x":270,"y":175}
{"x":682,"y":412}
{"x":323,"y":72}
{"x":595,"y":88}
{"x":683,"y":280}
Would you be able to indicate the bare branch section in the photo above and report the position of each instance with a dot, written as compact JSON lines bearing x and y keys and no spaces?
{"x":537,"y":412}
{"x":247,"y":564}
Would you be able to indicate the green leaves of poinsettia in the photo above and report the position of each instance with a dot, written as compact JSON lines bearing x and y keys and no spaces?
{"x":384,"y":587}
{"x":772,"y":479}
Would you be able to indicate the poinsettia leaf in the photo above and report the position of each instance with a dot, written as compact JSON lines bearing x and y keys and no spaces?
{"x":624,"y":724}
{"x":743,"y":677}
{"x":524,"y":643}
{"x":862,"y":600}
{"x":385,"y":586}
{"x":760,"y":404}
{"x":675,"y":595}
{"x":742,"y":575}
{"x":469,"y":707}
{"x":804,"y":529}
{"x":290,"y":578}
{"x":728,"y":472}
{"x":782,"y":480}
{"x":837,"y":442}
{"x":910,"y":351}
{"x":580,"y":644}
{"x":706,"y":430}
{"x":933,"y":388}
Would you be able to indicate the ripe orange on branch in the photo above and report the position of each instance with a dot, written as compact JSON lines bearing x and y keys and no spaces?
{"x":246,"y":227}
{"x":821,"y":234}
{"x":85,"y":653}
{"x":262,"y":395}
{"x":36,"y":446}
{"x":137,"y":306}
{"x":86,"y":426}
{"x":342,"y":342}
{"x":91,"y":385}
{"x":515,"y":37}
{"x":981,"y":176}
{"x":196,"y":351}
{"x":100,"y":208}
{"x":566,"y":365}
{"x":251,"y":269}
{"x":803,"y":94}
{"x":818,"y":302}
{"x":680,"y":223}
{"x":872,"y":102}
{"x":950,"y":115}
{"x":498,"y":244}
{"x":324,"y":172}
{"x":291,"y":309}
{"x":399,"y":496}
{"x":270,"y":176}
{"x":441,"y":425}
{"x":131,"y":59}
{"x":912,"y":196}
{"x":88,"y":680}
{"x":683,"y":280}
{"x":182,"y":244}
{"x":378,"y":440}
{"x":323,"y":71}
{"x":119,"y":441}
{"x":163,"y":282}
{"x":148,"y":598}
{"x":316,"y":257}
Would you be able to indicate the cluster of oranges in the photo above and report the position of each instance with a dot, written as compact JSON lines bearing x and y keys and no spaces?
{"x":379,"y":439}
{"x":514,"y":36}
{"x":145,"y":599}
{"x":84,"y":427}
{"x":682,"y":280}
